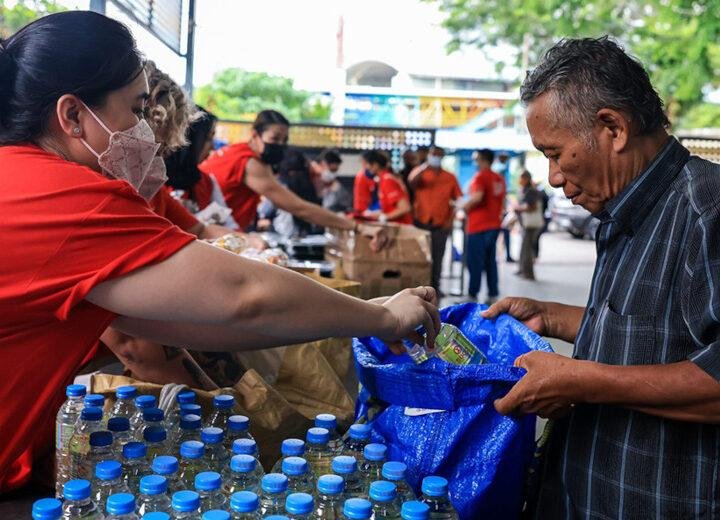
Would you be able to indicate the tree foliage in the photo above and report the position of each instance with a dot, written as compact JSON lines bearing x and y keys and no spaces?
{"x":239,"y":94}
{"x":22,"y":13}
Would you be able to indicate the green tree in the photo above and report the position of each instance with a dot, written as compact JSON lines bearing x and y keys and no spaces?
{"x":240,"y":95}
{"x":24,"y":12}
{"x":677,"y":40}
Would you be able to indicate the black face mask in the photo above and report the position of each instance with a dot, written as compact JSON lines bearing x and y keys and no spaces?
{"x":273,"y":153}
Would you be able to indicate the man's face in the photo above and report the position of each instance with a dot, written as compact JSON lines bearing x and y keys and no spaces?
{"x":585,"y":175}
{"x":332,"y":167}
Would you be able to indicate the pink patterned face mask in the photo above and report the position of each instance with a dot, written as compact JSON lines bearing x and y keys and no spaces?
{"x":131,"y":156}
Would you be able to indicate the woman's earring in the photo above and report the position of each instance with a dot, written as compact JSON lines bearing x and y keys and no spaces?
{"x":76,"y":130}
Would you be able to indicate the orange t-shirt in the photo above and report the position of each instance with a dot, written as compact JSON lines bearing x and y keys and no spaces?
{"x":488,"y":214}
{"x":166,"y":206}
{"x":391,"y":192}
{"x":228,"y":166}
{"x":64,"y":230}
{"x":434,"y":193}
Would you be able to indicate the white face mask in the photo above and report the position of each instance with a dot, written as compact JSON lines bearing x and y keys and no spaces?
{"x":131,"y":156}
{"x":498,"y":167}
{"x":327,"y":176}
{"x":434,"y":161}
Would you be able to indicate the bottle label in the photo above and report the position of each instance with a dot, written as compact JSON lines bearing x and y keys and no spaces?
{"x":63,"y":432}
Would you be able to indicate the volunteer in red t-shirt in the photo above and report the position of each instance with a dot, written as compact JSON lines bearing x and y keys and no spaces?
{"x":82,"y":249}
{"x":393,"y":196}
{"x":484,"y":217}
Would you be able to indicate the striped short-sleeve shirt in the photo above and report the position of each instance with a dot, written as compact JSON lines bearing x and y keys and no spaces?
{"x":655,"y":299}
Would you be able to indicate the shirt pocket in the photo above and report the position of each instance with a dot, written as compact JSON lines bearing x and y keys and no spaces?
{"x":623,"y":339}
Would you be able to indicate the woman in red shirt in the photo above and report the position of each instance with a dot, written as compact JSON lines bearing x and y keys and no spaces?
{"x":82,"y":249}
{"x":392,"y":194}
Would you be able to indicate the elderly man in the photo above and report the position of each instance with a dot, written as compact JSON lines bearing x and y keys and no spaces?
{"x":637,"y":408}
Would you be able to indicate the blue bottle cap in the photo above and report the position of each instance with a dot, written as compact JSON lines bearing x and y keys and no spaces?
{"x":327,"y":421}
{"x":435,"y":486}
{"x":185,"y":501}
{"x":92,"y":413}
{"x":375,"y":452}
{"x":223,"y":402}
{"x":299,"y":504}
{"x":294,"y":466}
{"x":120,"y":504}
{"x":101,"y":439}
{"x":212,"y":435}
{"x":243,"y":463}
{"x":134,"y":450}
{"x":186,"y":397}
{"x":192,"y":450}
{"x":331,"y":484}
{"x":47,"y":509}
{"x":153,"y":414}
{"x":238,"y":423}
{"x":360,"y":432}
{"x":274,"y":483}
{"x":155,"y":434}
{"x":292,"y":448}
{"x":357,"y":509}
{"x":344,"y":464}
{"x":153,"y":485}
{"x":276,"y":517}
{"x":190,"y":422}
{"x":94,"y":400}
{"x":191,"y":409}
{"x":394,"y":471}
{"x":383,"y":491}
{"x":145,"y":401}
{"x":75,"y":391}
{"x":208,"y":481}
{"x":165,"y":465}
{"x":108,"y":470}
{"x":216,"y":514}
{"x":77,"y":489}
{"x":415,"y":511}
{"x":119,"y":424}
{"x":244,"y":502}
{"x":245,"y":447}
{"x":318,"y":436}
{"x":156,"y":515}
{"x":125,"y":392}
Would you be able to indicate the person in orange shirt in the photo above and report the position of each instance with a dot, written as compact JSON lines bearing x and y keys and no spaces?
{"x":392,"y":195}
{"x":365,"y":189}
{"x":436,"y":191}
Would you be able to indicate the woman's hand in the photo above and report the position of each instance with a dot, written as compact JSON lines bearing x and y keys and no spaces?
{"x":408,"y":310}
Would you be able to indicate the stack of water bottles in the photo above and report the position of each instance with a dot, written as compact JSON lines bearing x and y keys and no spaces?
{"x":138,"y":463}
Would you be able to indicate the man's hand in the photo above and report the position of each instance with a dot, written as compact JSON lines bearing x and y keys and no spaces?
{"x":549,"y":389}
{"x":532,"y":313}
{"x":408,"y":310}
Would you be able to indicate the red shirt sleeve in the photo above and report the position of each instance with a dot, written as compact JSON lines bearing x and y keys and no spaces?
{"x":362,"y":197}
{"x":166,"y":206}
{"x":392,"y":191}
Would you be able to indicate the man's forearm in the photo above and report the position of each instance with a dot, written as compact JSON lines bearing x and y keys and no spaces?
{"x":563,"y":321}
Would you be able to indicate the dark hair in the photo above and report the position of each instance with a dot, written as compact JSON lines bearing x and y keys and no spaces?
{"x":330,"y":156}
{"x":182,"y":164}
{"x":435,"y":148}
{"x":375,"y":157}
{"x":589,"y":74}
{"x":486,"y":154}
{"x":74,"y":52}
{"x":267,"y":118}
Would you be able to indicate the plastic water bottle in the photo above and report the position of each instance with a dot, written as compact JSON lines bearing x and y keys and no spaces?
{"x":47,"y":509}
{"x":216,"y":514}
{"x":169,"y":467}
{"x":108,"y":481}
{"x":346,"y":467}
{"x":274,"y":491}
{"x":208,"y":484}
{"x":238,"y":427}
{"x":90,"y":421}
{"x":289,"y":448}
{"x":359,"y":437}
{"x":276,"y":517}
{"x":101,"y":448}
{"x":121,"y":507}
{"x":173,"y":417}
{"x":192,"y":462}
{"x":318,"y":452}
{"x":330,"y":497}
{"x":300,"y":477}
{"x":216,"y":455}
{"x":357,"y":509}
{"x":223,"y":405}
{"x":395,"y":472}
{"x":191,"y":409}
{"x":435,"y":495}
{"x":78,"y":504}
{"x":383,"y":496}
{"x":135,"y":464}
{"x":249,"y":447}
{"x":156,"y":441}
{"x":299,"y":506}
{"x":151,"y":417}
{"x":374,"y":457}
{"x":153,"y":495}
{"x":415,"y":511}
{"x":244,"y":506}
{"x":157,"y":515}
{"x":95,"y":400}
{"x":142,"y":402}
{"x":190,"y":427}
{"x":120,"y":428}
{"x":329,"y":422}
{"x":241,"y":475}
{"x":186,"y":505}
{"x":67,"y":417}
{"x":124,"y":403}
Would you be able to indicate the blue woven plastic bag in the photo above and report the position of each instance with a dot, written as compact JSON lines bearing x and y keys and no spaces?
{"x":483,"y":454}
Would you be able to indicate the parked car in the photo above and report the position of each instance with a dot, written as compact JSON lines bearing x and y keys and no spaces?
{"x":576,"y":220}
